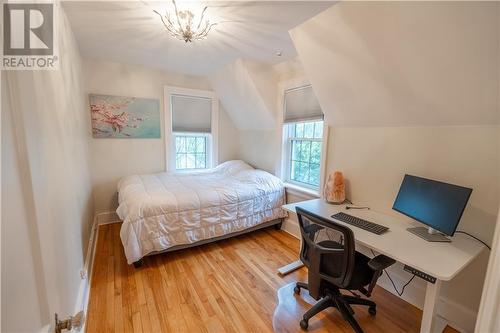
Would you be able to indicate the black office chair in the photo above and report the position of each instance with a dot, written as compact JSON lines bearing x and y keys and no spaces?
{"x":328,"y":251}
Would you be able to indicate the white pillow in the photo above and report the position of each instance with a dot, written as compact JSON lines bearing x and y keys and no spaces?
{"x":232,"y":167}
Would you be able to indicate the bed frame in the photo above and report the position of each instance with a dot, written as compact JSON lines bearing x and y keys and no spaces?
{"x":276,"y":223}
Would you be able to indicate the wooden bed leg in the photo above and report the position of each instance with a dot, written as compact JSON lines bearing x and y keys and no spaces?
{"x":138,"y":263}
{"x":278,"y":225}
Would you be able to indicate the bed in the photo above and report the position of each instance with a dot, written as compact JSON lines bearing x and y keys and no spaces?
{"x":168,"y":211}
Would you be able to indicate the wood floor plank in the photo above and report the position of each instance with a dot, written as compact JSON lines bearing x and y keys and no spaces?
{"x":228,"y":286}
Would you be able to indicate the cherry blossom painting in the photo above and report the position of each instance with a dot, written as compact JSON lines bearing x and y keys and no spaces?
{"x":124,"y":117}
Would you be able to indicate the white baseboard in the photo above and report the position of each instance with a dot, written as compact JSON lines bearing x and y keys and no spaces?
{"x":107,"y":218}
{"x":292,"y":227}
{"x":458,"y":316}
{"x":83,"y":297}
{"x":82,"y":302}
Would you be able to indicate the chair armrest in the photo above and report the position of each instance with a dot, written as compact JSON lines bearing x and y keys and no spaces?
{"x":380,"y":262}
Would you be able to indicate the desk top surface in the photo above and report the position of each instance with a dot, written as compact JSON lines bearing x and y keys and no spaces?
{"x":441,"y":260}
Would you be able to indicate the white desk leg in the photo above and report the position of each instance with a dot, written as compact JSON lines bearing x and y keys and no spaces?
{"x":287,"y":269}
{"x":290,"y":267}
{"x":430,"y":323}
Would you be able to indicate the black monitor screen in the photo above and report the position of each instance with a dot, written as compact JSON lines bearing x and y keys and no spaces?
{"x":436,"y":204}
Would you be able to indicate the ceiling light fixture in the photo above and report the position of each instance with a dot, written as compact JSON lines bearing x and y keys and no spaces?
{"x":182,"y":25}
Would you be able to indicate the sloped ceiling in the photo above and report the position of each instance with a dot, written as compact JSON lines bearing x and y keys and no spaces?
{"x":404,"y":63}
{"x":248,"y":92}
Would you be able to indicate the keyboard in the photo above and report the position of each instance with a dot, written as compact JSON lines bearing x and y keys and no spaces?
{"x":360,"y":223}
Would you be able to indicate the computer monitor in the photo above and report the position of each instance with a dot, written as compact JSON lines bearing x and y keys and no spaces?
{"x":436,"y":204}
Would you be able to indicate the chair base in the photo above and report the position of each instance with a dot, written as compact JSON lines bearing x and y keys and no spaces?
{"x":333,"y":298}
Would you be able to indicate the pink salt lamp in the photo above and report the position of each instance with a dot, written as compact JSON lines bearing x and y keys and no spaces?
{"x":335,"y":188}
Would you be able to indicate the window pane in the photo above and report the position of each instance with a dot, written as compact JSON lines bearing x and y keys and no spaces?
{"x":191,"y":152}
{"x":318,"y":130}
{"x":190,"y":144}
{"x":295,"y":149}
{"x":180,"y":144}
{"x":200,"y":161}
{"x":295,"y":171}
{"x":301,"y":172}
{"x":200,"y":144}
{"x":182,"y":161}
{"x":305,"y":151}
{"x":178,"y":162}
{"x":190,"y":161}
{"x":299,"y":130}
{"x":309,"y":130}
{"x":314,"y":174}
{"x":315,"y":152}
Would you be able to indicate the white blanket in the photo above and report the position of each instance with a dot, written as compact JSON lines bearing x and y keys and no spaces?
{"x":163,"y":210}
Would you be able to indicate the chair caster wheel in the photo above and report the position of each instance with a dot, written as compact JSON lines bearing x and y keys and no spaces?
{"x":372,"y":310}
{"x":296,"y":290}
{"x":304,"y":324}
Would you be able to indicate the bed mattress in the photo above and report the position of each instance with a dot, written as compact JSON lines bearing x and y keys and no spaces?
{"x":163,"y":210}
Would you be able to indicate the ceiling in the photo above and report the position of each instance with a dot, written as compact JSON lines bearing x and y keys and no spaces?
{"x":130,"y":32}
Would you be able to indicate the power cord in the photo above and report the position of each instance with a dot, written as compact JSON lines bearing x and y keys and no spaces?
{"x":393,"y":284}
{"x":466,"y":233}
{"x":355,"y":207}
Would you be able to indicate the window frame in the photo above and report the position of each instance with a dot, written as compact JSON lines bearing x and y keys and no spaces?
{"x":287,"y":154}
{"x":208,"y":144}
{"x":213,"y":136}
{"x":283,"y":170}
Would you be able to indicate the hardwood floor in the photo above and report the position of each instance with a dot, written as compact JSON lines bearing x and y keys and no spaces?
{"x":228,"y":286}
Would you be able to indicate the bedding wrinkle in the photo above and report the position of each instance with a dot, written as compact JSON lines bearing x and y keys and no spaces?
{"x":169,"y":209}
{"x":197,"y":197}
{"x":187,"y":210}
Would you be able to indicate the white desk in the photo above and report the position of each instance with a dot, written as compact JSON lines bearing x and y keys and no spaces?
{"x":441,"y":260}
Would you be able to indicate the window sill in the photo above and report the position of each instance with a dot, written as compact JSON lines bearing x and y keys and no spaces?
{"x":301,"y":191}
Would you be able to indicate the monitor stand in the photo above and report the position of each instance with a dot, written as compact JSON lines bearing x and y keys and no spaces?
{"x":429,"y":234}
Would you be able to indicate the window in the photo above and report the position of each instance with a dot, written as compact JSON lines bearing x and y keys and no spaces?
{"x":191,"y":123}
{"x":304,"y":156}
{"x":191,"y":151}
{"x":302,"y":138}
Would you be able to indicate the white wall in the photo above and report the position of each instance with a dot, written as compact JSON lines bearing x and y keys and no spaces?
{"x":46,"y":193}
{"x":261,"y":147}
{"x":228,"y":137}
{"x":374,"y":161}
{"x":399,"y":79}
{"x":404,"y":63}
{"x":17,"y":244}
{"x":247,"y":90}
{"x":112,"y":159}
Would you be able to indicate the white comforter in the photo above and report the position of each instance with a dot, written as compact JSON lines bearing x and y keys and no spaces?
{"x":168,"y":209}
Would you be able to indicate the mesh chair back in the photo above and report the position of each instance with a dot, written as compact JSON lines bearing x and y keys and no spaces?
{"x":319,"y":234}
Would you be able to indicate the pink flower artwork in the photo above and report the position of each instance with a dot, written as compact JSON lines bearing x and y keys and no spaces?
{"x":124,"y":117}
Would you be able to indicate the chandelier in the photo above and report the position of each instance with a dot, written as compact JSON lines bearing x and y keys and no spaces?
{"x":182,"y":25}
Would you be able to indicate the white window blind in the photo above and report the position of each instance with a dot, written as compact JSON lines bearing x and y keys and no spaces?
{"x":301,"y":105}
{"x":191,"y":114}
